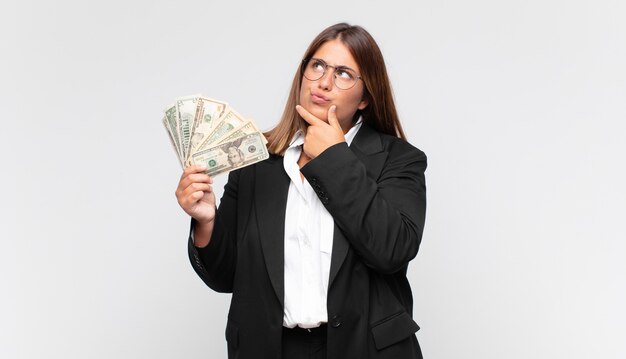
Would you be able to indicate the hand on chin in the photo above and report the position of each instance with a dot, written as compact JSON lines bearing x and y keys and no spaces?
{"x":319,"y":111}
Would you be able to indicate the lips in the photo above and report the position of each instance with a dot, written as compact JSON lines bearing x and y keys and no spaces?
{"x":319,"y":99}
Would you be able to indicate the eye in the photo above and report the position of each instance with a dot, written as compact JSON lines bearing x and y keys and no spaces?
{"x":318,"y":66}
{"x":344,"y":74}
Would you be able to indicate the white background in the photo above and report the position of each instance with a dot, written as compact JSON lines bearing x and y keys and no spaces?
{"x":519,"y":105}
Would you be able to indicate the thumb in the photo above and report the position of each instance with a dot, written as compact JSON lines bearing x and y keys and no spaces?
{"x":332,"y":118}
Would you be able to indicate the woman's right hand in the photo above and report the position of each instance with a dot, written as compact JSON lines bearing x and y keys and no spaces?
{"x":195,"y":194}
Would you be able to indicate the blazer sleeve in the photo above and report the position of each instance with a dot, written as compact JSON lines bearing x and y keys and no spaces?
{"x":383,"y":219}
{"x":215,"y":263}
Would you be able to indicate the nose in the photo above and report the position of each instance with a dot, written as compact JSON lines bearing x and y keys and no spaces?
{"x":326,"y":82}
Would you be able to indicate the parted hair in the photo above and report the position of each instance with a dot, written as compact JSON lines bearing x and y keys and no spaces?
{"x":380,"y":112}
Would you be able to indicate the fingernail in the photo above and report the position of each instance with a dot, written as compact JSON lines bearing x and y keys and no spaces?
{"x":333,"y":108}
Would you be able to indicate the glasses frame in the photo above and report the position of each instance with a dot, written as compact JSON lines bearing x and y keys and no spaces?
{"x":305,"y":63}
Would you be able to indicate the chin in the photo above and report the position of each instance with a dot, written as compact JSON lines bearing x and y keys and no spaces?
{"x":320,"y":112}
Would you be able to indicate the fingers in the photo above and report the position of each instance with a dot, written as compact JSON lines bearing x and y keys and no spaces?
{"x":192,"y":174}
{"x":332,"y":118}
{"x":193,"y":193}
{"x":195,"y":173}
{"x":314,"y":121}
{"x":308,"y":117}
{"x":194,"y":178}
{"x":193,"y":169}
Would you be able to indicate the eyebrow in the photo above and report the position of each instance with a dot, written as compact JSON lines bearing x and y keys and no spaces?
{"x":343,"y":67}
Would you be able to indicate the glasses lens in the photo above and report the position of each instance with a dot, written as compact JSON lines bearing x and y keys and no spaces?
{"x":345,"y":78}
{"x":314,"y":70}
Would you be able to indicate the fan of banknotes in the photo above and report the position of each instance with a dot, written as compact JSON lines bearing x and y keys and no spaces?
{"x":209,"y":132}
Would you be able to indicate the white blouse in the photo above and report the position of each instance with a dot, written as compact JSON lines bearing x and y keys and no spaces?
{"x":308,"y":241}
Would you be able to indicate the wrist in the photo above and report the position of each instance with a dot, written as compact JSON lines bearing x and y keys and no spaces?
{"x":204,"y":222}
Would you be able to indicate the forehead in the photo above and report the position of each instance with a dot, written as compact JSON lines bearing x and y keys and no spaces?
{"x":335,"y":53}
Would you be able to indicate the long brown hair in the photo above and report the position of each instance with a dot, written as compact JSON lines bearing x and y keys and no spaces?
{"x":380,"y":112}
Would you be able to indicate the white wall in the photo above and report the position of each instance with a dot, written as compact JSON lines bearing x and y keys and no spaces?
{"x":520,"y":106}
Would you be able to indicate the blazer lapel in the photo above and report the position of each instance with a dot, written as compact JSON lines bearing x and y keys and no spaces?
{"x":271,"y":189}
{"x":368,"y":148}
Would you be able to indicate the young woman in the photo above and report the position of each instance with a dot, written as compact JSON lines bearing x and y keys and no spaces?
{"x":314,"y":242}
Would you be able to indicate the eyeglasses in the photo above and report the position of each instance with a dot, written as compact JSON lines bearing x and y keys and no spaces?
{"x":344,"y":77}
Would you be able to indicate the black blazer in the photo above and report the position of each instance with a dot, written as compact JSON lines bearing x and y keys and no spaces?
{"x":376,"y":194}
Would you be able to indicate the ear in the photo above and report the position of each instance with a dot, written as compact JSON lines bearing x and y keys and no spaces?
{"x":365,"y":100}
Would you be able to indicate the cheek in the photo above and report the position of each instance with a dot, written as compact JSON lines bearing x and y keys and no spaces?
{"x":348,"y":106}
{"x":304,"y":91}
{"x":351,"y":102}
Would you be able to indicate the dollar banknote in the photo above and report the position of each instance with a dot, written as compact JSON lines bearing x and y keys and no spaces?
{"x":171,"y":137}
{"x":208,"y":131}
{"x":208,"y":110}
{"x":172,"y":127}
{"x":230,"y":122}
{"x":233,"y":154}
{"x":186,"y":111}
{"x":247,"y":128}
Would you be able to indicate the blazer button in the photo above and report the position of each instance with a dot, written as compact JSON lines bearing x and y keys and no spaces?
{"x":336,"y":321}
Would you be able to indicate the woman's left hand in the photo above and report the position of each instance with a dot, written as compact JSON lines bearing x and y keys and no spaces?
{"x":320,"y":135}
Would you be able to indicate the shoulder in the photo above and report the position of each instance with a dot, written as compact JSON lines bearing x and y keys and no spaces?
{"x":395,"y":145}
{"x":387,"y":156}
{"x":371,"y":141}
{"x":403,"y":158}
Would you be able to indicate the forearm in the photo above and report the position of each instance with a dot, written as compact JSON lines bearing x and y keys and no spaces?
{"x":215,"y":262}
{"x":383,"y":219}
{"x":202,"y":233}
{"x":213,"y":249}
